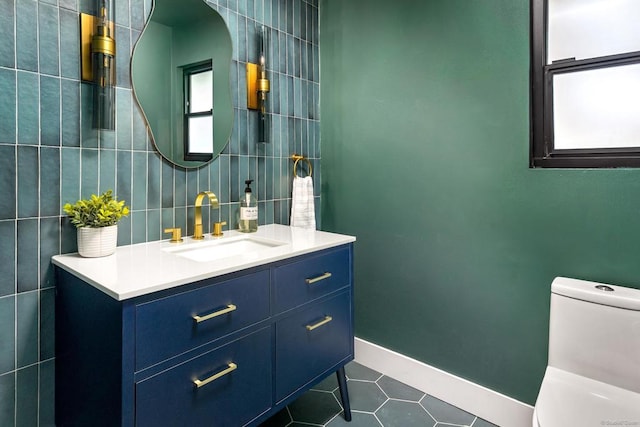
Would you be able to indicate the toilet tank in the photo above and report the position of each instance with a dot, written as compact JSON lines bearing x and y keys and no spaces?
{"x":594,"y":331}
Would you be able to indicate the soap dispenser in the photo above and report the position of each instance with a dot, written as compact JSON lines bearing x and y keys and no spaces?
{"x":248,"y":222}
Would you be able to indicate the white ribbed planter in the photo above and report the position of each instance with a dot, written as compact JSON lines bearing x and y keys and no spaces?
{"x":97,"y":242}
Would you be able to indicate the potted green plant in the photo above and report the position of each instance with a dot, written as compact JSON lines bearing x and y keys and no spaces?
{"x":96,"y":220}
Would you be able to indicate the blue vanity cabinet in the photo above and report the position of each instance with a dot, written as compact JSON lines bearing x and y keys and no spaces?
{"x":174,"y":324}
{"x":240,"y":391}
{"x":315,"y":334}
{"x":228,"y":351}
{"x":311,"y":341}
{"x":312,"y":277}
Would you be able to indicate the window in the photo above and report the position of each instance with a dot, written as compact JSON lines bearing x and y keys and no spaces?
{"x":585,"y":83}
{"x":198,"y":112}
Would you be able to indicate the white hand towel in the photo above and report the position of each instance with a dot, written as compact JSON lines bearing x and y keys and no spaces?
{"x":303,"y":213}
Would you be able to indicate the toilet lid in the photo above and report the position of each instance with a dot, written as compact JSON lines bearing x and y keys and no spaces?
{"x":568,"y":399}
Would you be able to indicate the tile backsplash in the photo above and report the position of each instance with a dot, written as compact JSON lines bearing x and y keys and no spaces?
{"x":50,"y":155}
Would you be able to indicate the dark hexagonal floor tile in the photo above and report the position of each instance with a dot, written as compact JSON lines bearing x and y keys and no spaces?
{"x":279,"y":419}
{"x":356,"y":371}
{"x":395,"y":404}
{"x":328,"y":384}
{"x":396,"y":413}
{"x":479,"y":422}
{"x":364,"y":396}
{"x":446,"y":413}
{"x":358,"y":419}
{"x":397,"y":390}
{"x":315,"y":407}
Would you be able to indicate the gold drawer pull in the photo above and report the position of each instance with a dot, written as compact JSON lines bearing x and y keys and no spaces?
{"x":318,"y":278}
{"x":232,"y":367}
{"x":326,"y":320}
{"x":229,"y":309}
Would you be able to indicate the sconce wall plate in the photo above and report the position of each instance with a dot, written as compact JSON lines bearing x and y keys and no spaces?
{"x":252,"y":85}
{"x":87,"y":26}
{"x":255,"y":84}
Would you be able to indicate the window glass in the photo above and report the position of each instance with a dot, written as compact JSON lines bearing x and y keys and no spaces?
{"x":201,"y":134}
{"x":201,"y":88}
{"x":591,"y":28}
{"x":597,"y":108}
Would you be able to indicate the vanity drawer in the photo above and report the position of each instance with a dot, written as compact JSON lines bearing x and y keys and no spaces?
{"x":305,"y":280}
{"x":311,"y":341}
{"x":175,"y":324}
{"x":240,"y":393}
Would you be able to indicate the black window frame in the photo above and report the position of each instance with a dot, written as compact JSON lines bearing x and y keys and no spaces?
{"x":187,"y":72}
{"x":542,"y":152}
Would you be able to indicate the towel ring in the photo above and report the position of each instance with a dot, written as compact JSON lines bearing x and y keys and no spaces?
{"x":297,"y":159}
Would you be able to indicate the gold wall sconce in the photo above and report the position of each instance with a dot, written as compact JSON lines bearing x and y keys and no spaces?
{"x":98,"y":62}
{"x":258,"y":85}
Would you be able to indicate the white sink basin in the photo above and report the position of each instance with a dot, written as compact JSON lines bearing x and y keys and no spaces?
{"x":226,"y":247}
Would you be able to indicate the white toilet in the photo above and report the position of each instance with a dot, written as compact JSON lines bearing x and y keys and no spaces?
{"x":593,"y":373}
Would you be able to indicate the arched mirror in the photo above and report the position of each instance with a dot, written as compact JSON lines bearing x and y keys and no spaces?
{"x":180,"y":73}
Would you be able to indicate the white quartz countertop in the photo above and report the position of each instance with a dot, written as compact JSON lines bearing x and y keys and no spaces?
{"x":144,"y":268}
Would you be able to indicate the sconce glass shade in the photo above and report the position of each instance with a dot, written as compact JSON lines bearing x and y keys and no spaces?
{"x":263,"y":84}
{"x":258,"y":84}
{"x":103,"y":63}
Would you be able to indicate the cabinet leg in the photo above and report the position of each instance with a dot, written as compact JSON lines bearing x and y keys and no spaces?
{"x":344,"y":393}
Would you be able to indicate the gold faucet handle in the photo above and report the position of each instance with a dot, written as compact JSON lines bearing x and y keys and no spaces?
{"x":176,"y":236}
{"x":217,"y":228}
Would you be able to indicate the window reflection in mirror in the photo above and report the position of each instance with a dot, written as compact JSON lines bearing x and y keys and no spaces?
{"x":198,"y":112}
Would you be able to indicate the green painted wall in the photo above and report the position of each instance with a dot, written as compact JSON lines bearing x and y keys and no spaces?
{"x":425,"y":139}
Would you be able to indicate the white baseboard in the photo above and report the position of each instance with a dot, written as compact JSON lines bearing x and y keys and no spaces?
{"x":485,"y":403}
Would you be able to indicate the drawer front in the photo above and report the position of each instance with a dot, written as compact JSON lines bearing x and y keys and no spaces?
{"x":308,"y":343}
{"x":178,"y":323}
{"x":237,"y":396}
{"x":310,"y":278}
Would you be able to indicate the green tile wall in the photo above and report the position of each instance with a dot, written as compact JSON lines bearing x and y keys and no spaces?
{"x":49,"y":155}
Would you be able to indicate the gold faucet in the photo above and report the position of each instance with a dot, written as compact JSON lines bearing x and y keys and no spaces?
{"x":197,"y":220}
{"x":217,"y":229}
